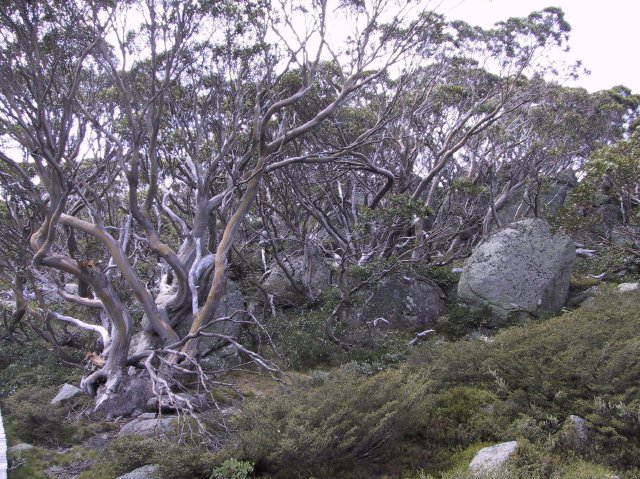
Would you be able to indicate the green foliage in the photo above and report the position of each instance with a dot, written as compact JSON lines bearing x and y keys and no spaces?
{"x":612,"y":177}
{"x":121,"y":456}
{"x":466,"y":185}
{"x":27,"y":464}
{"x":29,"y":420}
{"x":32,"y":364}
{"x":300,"y":338}
{"x":232,"y":469}
{"x":399,"y":207}
{"x":39,"y":463}
{"x":301,"y":342}
{"x":175,"y":461}
{"x":339,"y":421}
{"x":449,"y":399}
{"x":608,"y":261}
{"x":458,"y":320}
{"x":314,"y":431}
{"x":582,"y":282}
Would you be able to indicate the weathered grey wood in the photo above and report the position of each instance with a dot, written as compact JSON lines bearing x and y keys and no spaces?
{"x":3,"y":451}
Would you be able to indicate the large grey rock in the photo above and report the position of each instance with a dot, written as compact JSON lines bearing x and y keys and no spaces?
{"x":144,"y":472}
{"x":99,"y":441}
{"x":523,"y":268}
{"x":66,"y":392}
{"x":312,"y":270}
{"x":607,"y":218}
{"x":131,"y":399}
{"x":626,"y":235}
{"x":399,"y":302}
{"x":147,"y":427}
{"x":493,"y":458}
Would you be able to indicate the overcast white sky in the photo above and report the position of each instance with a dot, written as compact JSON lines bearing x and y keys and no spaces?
{"x":604,"y":33}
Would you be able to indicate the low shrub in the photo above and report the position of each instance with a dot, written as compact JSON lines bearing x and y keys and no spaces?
{"x":32,"y":364}
{"x":29,"y":421}
{"x":175,"y":461}
{"x":302,"y":343}
{"x":353,"y":419}
{"x":449,"y":397}
{"x":328,"y":426}
{"x":122,"y":455}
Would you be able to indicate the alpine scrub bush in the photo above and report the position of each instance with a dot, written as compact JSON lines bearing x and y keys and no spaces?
{"x":326,"y":427}
{"x":122,"y":455}
{"x":449,"y":399}
{"x":354,"y":421}
{"x":174,"y":461}
{"x":28,"y":421}
{"x":32,"y":364}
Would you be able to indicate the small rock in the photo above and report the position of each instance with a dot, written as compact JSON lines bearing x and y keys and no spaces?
{"x":18,"y":448}
{"x":575,"y":432}
{"x":626,"y":287}
{"x":147,"y":427}
{"x":229,"y":411}
{"x":492,"y":458}
{"x":148,"y":415}
{"x":66,"y":392}
{"x":144,"y":472}
{"x":97,"y":442}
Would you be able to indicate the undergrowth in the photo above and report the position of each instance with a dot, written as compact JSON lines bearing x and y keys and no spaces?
{"x":428,"y":415}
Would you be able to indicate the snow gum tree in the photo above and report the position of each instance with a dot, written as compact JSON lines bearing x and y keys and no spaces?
{"x":122,"y":118}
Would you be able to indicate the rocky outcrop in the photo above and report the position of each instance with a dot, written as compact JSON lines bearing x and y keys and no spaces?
{"x":626,"y":235}
{"x":399,"y":302}
{"x":66,"y":393}
{"x":493,"y":458}
{"x":133,"y":393}
{"x":522,"y":269}
{"x":607,"y":218}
